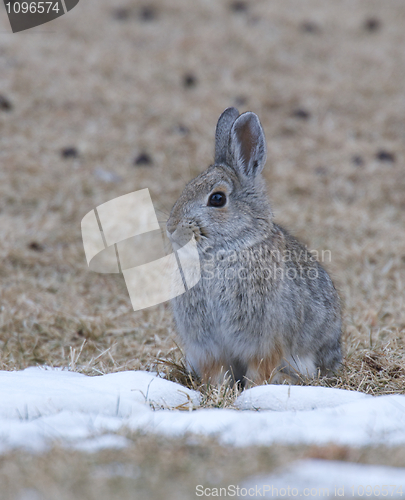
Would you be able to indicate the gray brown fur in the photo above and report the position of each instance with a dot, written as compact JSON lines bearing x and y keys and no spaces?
{"x":256,"y":312}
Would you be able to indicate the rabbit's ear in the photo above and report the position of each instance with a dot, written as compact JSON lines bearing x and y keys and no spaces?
{"x":247,"y":146}
{"x":223,"y":129}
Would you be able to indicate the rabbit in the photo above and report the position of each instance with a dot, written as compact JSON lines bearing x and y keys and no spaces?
{"x":264,"y":308}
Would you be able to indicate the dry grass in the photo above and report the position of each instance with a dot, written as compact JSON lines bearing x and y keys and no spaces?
{"x":173,"y":367}
{"x":115,"y":88}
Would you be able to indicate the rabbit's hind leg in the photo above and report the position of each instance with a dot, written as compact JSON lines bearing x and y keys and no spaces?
{"x":297,"y":366}
{"x":217,"y":371}
{"x":264,"y":368}
{"x":213,"y":371}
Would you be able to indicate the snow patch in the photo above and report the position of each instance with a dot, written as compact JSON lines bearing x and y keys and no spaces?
{"x":40,"y":406}
{"x":298,"y":398}
{"x":321,"y":479}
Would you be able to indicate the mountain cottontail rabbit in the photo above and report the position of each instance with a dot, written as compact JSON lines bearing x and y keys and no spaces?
{"x":263,"y":306}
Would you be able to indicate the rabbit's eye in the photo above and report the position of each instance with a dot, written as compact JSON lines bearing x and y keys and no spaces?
{"x":217,"y":200}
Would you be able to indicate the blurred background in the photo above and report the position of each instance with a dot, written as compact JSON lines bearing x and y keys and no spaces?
{"x":120,"y":95}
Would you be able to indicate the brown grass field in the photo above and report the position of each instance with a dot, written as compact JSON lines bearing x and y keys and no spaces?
{"x":117,"y":80}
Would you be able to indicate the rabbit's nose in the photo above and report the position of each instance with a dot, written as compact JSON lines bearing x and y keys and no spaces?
{"x":180,"y":236}
{"x":174,"y":239}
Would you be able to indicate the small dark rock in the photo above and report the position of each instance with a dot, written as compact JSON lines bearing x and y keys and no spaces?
{"x":5,"y":104}
{"x":372,"y":24}
{"x":309,"y":27}
{"x":321,"y":171}
{"x":80,"y":332}
{"x":301,"y":113}
{"x":37,"y":247}
{"x":147,"y":13}
{"x":189,"y":80}
{"x":69,"y":152}
{"x":238,"y":6}
{"x":182,"y":129}
{"x":358,"y":160}
{"x":240,"y":100}
{"x":121,"y":13}
{"x":384,"y":155}
{"x":143,"y":159}
{"x":287,"y":131}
